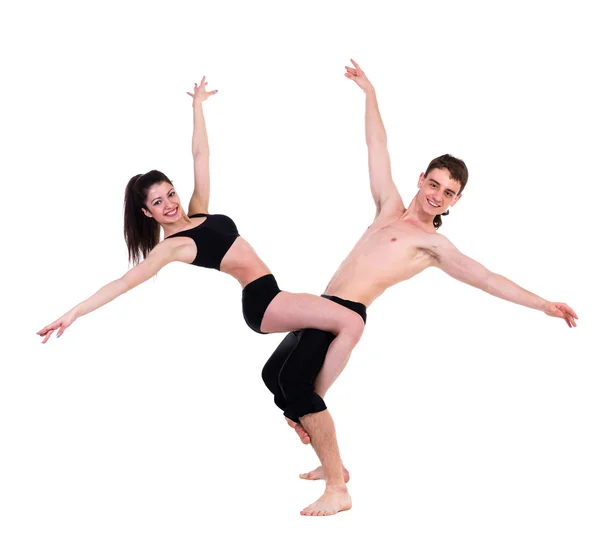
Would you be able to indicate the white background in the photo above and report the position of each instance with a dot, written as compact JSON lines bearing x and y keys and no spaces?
{"x":469,"y":424}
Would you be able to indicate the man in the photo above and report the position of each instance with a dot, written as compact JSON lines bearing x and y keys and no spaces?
{"x":400,"y":243}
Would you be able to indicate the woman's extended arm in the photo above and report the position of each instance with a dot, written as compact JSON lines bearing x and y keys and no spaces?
{"x":200,"y":151}
{"x":156,"y":260}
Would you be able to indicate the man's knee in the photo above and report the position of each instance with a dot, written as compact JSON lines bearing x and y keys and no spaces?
{"x":274,"y":365}
{"x":270,"y":375}
{"x":308,"y":403}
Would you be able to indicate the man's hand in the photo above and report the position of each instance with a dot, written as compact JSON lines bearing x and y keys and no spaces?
{"x":358,"y":76}
{"x":200,"y":93}
{"x":558,"y":309}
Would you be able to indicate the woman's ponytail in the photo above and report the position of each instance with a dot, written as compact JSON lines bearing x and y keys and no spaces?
{"x":141,"y":233}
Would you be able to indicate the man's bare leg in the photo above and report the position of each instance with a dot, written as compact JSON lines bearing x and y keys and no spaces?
{"x":322,"y":384}
{"x":336,"y":498}
{"x":319,"y":474}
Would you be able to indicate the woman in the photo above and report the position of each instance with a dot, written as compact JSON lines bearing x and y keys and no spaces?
{"x":212,"y":241}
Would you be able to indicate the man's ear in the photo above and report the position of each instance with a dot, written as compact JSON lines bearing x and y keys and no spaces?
{"x":421,"y":180}
{"x":456,"y":200}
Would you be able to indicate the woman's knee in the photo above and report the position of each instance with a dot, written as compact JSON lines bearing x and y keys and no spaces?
{"x":353,"y":328}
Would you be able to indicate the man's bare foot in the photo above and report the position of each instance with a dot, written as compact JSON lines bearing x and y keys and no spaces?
{"x":319,"y":474}
{"x":333,"y":501}
{"x":304,"y":436}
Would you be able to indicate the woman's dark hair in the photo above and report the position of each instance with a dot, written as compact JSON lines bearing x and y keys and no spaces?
{"x":142,"y":233}
{"x":457,"y":170}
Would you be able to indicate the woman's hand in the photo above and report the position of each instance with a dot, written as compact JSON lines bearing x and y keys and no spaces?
{"x":200,"y":93}
{"x":61,"y":324}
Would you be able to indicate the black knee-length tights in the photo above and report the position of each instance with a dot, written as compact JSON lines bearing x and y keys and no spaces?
{"x":291,"y":371}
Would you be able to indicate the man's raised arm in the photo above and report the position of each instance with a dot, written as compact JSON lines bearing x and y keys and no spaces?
{"x":384,"y":191}
{"x":469,"y":271}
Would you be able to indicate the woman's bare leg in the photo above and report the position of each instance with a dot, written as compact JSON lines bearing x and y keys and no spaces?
{"x":327,"y":377}
{"x":292,"y":312}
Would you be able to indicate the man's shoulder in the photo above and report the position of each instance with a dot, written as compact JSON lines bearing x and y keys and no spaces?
{"x":391,"y":207}
{"x":438,"y":239}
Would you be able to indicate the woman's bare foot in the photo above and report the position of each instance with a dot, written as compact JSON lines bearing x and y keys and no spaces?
{"x":333,"y":501}
{"x":319,"y":474}
{"x":304,"y":437}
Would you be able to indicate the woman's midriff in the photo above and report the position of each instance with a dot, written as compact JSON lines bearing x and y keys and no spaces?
{"x":243,"y":263}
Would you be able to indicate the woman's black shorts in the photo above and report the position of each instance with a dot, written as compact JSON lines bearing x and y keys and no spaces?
{"x":256,"y":297}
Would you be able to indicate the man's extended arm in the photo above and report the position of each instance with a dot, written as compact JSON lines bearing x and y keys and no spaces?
{"x":469,"y":271}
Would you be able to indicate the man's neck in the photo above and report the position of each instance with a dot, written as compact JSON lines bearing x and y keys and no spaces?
{"x":415,"y":215}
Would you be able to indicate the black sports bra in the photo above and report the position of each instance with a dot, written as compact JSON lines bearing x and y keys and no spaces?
{"x":213,"y":238}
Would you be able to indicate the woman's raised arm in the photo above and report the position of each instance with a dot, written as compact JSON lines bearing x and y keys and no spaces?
{"x":200,"y":151}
